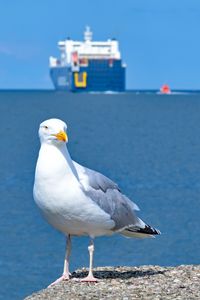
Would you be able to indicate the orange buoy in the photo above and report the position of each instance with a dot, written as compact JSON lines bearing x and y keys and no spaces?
{"x":165,"y":89}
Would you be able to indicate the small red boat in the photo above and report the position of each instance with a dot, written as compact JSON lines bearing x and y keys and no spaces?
{"x":165,"y":89}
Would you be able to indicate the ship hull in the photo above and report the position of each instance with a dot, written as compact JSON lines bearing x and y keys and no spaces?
{"x":97,"y":76}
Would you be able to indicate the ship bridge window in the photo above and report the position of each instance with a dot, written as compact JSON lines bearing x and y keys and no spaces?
{"x":101,"y":46}
{"x":76,"y":46}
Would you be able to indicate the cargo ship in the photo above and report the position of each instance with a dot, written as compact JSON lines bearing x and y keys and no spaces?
{"x":88,"y":66}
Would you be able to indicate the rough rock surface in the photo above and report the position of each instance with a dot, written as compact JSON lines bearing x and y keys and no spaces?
{"x":145,"y":282}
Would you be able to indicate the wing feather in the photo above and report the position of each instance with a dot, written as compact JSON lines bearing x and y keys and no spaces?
{"x":107,"y":195}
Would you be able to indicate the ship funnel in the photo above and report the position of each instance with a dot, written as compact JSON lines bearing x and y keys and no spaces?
{"x":87,"y":34}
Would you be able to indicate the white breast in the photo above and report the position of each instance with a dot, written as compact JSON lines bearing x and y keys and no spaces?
{"x":58,"y":194}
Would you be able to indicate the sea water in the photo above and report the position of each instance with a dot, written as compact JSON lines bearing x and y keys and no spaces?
{"x":149,"y":144}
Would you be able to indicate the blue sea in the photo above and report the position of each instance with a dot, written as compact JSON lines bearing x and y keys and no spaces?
{"x":149,"y":144}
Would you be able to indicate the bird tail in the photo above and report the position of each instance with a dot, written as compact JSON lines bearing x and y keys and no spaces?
{"x":145,"y":231}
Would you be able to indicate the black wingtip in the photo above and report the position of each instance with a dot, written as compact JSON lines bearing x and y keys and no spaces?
{"x":146,"y":230}
{"x":149,"y":230}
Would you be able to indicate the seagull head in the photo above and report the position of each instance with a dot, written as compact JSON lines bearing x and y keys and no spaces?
{"x":53,"y":131}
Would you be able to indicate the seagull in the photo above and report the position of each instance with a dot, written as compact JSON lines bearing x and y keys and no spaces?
{"x":79,"y":201}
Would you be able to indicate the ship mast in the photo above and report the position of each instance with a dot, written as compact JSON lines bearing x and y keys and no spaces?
{"x":87,"y":34}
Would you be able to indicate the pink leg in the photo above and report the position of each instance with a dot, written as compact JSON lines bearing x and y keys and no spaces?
{"x":90,"y":277}
{"x":66,"y":274}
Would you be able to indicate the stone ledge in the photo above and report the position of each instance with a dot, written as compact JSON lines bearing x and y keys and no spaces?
{"x":144,"y":282}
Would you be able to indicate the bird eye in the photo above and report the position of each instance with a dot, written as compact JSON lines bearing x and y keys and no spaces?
{"x":46,"y":127}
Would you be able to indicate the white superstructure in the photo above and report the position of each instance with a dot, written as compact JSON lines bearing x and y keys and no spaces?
{"x":87,"y":49}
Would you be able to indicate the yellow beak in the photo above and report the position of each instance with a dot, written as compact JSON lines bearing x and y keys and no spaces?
{"x":61,"y":136}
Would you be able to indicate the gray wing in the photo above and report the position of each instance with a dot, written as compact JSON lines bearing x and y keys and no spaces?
{"x":106,"y":194}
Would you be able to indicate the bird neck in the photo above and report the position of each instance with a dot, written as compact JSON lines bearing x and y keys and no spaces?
{"x":54,"y":160}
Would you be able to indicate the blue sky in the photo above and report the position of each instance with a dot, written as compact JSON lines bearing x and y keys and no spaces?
{"x":159,"y":40}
